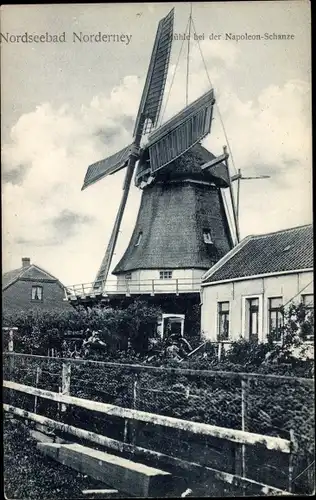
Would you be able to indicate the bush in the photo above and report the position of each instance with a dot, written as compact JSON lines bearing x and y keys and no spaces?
{"x":291,"y":352}
{"x":247,"y":353}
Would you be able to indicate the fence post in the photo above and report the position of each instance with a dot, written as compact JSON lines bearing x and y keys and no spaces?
{"x":244,"y":394}
{"x":59,"y":404}
{"x":65,"y":383}
{"x":135,"y":392}
{"x":11,"y":341}
{"x":131,"y":425}
{"x":11,"y":360}
{"x":11,"y":349}
{"x":38,"y":373}
{"x":125,"y":430}
{"x":220,"y":345}
{"x":134,"y":424}
{"x":292,"y":459}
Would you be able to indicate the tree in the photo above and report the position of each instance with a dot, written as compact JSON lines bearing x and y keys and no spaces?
{"x":298,"y":327}
{"x":140,"y":322}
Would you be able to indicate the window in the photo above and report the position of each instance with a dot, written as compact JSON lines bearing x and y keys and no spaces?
{"x":139,"y":238}
{"x":165,"y":275}
{"x":275,"y":318}
{"x":37,"y":293}
{"x":223,"y":320}
{"x":128,"y":276}
{"x":207,"y":236}
{"x":253,"y":318}
{"x":308,"y":301}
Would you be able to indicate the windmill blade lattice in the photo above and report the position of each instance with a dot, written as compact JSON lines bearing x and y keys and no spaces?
{"x":151,"y":101}
{"x":181,"y":132}
{"x":150,"y":104}
{"x":107,"y":166}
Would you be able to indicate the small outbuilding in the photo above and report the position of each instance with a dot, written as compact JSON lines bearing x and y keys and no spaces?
{"x":31,"y":287}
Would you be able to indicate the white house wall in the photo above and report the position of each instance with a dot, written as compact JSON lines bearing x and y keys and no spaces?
{"x":285,"y":286}
{"x":142,"y":280}
{"x":153,"y":274}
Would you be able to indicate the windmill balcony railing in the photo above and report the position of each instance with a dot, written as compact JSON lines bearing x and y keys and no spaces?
{"x":128,"y":287}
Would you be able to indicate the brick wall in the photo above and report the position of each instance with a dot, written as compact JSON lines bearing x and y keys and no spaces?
{"x":19,"y":296}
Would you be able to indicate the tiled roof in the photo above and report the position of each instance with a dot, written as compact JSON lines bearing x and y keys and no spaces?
{"x":10,"y":276}
{"x":31,"y":272}
{"x":285,"y":250}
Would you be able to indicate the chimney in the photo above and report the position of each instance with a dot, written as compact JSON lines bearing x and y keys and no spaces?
{"x":26,"y":262}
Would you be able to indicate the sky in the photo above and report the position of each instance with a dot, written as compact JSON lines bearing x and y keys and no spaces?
{"x":68,"y":104}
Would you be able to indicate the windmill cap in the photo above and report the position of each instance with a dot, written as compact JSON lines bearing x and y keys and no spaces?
{"x":187,"y":165}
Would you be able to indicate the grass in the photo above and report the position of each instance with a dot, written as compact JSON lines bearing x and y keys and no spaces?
{"x":30,"y":475}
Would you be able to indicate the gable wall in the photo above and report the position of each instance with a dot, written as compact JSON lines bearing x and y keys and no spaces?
{"x":18,"y":296}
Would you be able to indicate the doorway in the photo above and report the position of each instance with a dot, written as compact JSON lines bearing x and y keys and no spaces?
{"x":172,"y":323}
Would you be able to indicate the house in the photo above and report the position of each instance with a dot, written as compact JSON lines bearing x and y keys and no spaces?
{"x":30,"y":287}
{"x":242,"y":294}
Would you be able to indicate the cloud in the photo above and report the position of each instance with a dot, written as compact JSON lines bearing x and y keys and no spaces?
{"x":60,"y":228}
{"x":66,"y":230}
{"x":222,"y":53}
{"x":270,"y":136}
{"x":35,"y":242}
{"x":106,"y":135}
{"x":43,"y":206}
{"x":15,"y":175}
{"x":280,"y":116}
{"x":67,"y":223}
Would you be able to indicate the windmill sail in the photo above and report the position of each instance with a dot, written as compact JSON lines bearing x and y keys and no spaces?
{"x":150,"y":104}
{"x":181,"y":132}
{"x":107,"y":166}
{"x":146,"y":118}
{"x":152,"y":96}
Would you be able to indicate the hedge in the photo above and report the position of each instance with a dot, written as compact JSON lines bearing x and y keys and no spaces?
{"x":39,"y":331}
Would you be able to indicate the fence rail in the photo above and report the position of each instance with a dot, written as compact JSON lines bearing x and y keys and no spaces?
{"x":128,"y":287}
{"x":207,"y":374}
{"x":143,"y":452}
{"x":271,"y":443}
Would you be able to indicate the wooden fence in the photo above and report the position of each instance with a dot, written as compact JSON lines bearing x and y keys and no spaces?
{"x":231,"y":435}
{"x":241,"y":440}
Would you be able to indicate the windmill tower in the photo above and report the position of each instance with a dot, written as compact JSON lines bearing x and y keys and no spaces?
{"x":182,"y":227}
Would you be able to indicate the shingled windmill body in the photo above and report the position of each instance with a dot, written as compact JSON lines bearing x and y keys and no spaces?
{"x":181,"y":228}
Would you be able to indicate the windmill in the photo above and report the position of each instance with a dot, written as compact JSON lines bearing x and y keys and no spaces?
{"x":162,"y":161}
